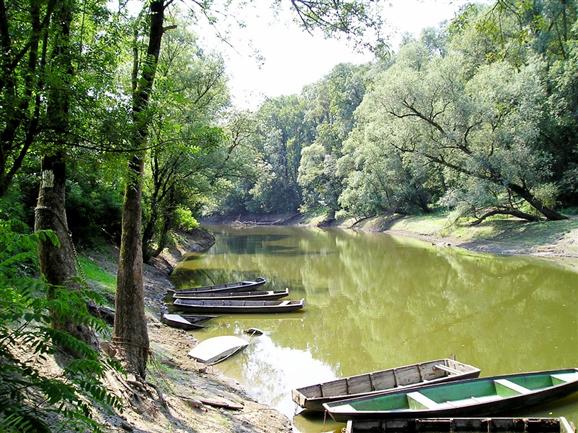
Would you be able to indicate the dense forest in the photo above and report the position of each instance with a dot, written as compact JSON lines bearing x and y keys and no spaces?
{"x":118,"y":127}
{"x":478,"y":116}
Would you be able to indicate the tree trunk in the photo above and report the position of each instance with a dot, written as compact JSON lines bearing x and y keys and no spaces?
{"x":58,"y":262}
{"x":130,"y":329}
{"x":550,"y":214}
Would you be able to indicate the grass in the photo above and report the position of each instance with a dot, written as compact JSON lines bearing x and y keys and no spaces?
{"x":95,"y":274}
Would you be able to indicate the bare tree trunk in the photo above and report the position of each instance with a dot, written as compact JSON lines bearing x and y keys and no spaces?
{"x":58,"y":262}
{"x":130,"y":329}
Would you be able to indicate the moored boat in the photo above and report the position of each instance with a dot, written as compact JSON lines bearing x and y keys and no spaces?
{"x":470,"y":425}
{"x":312,"y":397}
{"x":256,"y":295}
{"x":180,"y":322}
{"x":238,"y":306}
{"x":240,"y":286}
{"x":473,"y":397}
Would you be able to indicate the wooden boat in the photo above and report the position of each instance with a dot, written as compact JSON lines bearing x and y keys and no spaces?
{"x":470,"y":425}
{"x":240,"y":286}
{"x":473,"y":397}
{"x":257,"y":295}
{"x":178,"y":321}
{"x":224,"y":306}
{"x":217,"y":349}
{"x":198,"y":318}
{"x":312,"y":397}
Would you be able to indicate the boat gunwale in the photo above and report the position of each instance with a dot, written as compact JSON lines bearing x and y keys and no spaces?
{"x":288,"y":303}
{"x":248,"y":295}
{"x":236,"y":286}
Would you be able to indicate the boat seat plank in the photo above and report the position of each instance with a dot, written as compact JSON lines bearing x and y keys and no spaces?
{"x":513,"y":386}
{"x":447,"y":369}
{"x":565,"y":377}
{"x":422,"y":400}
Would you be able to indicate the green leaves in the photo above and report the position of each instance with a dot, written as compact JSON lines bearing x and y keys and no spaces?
{"x":28,"y":397}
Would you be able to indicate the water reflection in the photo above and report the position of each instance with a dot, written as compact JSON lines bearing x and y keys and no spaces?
{"x":374,"y":301}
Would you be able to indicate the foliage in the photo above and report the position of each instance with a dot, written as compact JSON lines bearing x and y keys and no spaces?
{"x":32,"y":400}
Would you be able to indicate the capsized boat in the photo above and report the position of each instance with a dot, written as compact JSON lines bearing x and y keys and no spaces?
{"x":240,"y":286}
{"x":312,"y":397}
{"x":256,"y":295}
{"x":473,"y":397}
{"x":470,"y":425}
{"x":237,"y":306}
{"x":217,"y":349}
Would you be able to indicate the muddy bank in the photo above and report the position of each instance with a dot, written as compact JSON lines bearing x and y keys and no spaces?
{"x":180,"y":395}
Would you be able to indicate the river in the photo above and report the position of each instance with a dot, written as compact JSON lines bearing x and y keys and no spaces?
{"x":373,"y":301}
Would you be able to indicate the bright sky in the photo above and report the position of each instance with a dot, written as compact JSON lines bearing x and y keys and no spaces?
{"x":292,"y":58}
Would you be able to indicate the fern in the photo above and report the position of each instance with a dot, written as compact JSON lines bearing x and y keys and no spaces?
{"x":29,"y":401}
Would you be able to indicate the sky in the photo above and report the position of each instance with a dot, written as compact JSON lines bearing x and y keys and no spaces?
{"x":289,"y":58}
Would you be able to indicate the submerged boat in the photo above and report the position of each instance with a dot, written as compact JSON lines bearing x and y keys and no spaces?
{"x":217,"y":349}
{"x":240,"y":286}
{"x":225,"y":306}
{"x":253,"y":295}
{"x":312,"y":397}
{"x":181,"y":322}
{"x":470,"y":425}
{"x":473,"y":397}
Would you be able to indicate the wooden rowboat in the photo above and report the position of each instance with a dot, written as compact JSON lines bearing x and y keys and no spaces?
{"x":240,"y":286}
{"x":238,"y":306}
{"x":256,"y":295}
{"x":198,"y":318}
{"x":312,"y":397}
{"x":473,"y":397}
{"x":181,"y":322}
{"x":470,"y":425}
{"x":217,"y":349}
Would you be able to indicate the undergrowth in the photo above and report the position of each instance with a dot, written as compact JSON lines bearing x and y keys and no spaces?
{"x":32,"y":400}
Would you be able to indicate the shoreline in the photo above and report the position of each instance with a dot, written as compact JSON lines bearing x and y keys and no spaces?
{"x":184,"y":395}
{"x":552,"y":240}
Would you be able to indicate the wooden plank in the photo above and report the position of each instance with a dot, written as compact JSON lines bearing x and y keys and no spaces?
{"x":513,"y":386}
{"x":422,"y":400}
{"x":447,"y":369}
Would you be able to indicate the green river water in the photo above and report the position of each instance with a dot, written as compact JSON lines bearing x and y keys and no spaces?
{"x":374,"y":301}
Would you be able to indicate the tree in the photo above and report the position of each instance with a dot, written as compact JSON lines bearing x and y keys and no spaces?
{"x":130,"y":329}
{"x":485,"y":128}
{"x":24,"y":34}
{"x":185,"y":146}
{"x":330,"y":106}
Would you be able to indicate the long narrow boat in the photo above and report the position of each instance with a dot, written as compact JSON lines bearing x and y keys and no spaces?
{"x":256,"y":295}
{"x":240,"y":286}
{"x":180,"y":322}
{"x":312,"y":397}
{"x":243,"y":307}
{"x":473,"y":397}
{"x":198,"y":318}
{"x":470,"y":425}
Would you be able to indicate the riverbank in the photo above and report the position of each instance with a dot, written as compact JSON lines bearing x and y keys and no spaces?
{"x":550,"y":239}
{"x":180,"y":395}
